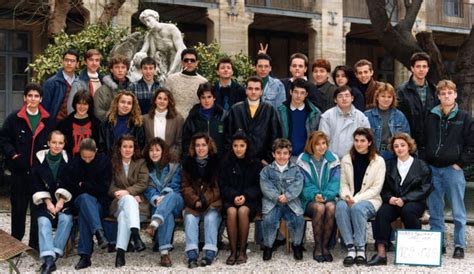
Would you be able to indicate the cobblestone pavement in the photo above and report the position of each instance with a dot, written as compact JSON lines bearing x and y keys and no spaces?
{"x":148,"y":261}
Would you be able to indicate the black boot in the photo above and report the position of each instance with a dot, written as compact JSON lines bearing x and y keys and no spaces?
{"x":101,"y":240}
{"x":48,"y":266}
{"x":267,"y":253}
{"x":84,"y":262}
{"x":120,"y":258}
{"x":136,"y":240}
{"x":297,"y":252}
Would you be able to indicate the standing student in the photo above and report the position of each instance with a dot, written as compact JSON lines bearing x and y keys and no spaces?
{"x":90,"y":78}
{"x":449,"y":147}
{"x":227,"y":91}
{"x":147,"y":85}
{"x":24,"y":133}
{"x":164,"y":195}
{"x":57,"y":89}
{"x":81,"y":123}
{"x":321,"y":71}
{"x":281,"y":183}
{"x":129,"y":181}
{"x":321,"y":170}
{"x":367,"y":84}
{"x":124,"y":118}
{"x":385,"y":120}
{"x":344,"y":76}
{"x":298,"y":116}
{"x":273,"y":91}
{"x":53,"y":201}
{"x":164,"y":121}
{"x":362,"y":177}
{"x":202,"y":199}
{"x":241,"y":195}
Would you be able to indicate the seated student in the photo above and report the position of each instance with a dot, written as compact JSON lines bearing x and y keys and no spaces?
{"x":129,"y":181}
{"x":123,"y":118}
{"x":89,"y":175}
{"x":81,"y":123}
{"x":164,"y":121}
{"x":385,"y":120}
{"x":281,"y":183}
{"x":362,"y":176}
{"x":201,"y":198}
{"x":344,"y":76}
{"x":164,"y":195}
{"x":321,"y":170}
{"x":206,"y":116}
{"x":52,"y":199}
{"x":241,"y":195}
{"x":404,"y":193}
{"x":299,"y":117}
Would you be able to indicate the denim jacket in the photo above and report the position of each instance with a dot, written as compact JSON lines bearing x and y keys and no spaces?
{"x":156,"y":187}
{"x":397,"y":123}
{"x":273,"y":183}
{"x":274,"y":92}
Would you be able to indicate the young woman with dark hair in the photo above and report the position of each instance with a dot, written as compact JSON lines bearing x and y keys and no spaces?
{"x":241,"y":195}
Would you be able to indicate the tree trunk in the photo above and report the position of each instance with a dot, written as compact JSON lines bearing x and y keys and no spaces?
{"x":110,"y":10}
{"x":57,"y":16}
{"x":464,"y":74}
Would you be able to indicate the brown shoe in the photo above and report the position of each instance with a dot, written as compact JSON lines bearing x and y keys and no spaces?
{"x":166,"y":261}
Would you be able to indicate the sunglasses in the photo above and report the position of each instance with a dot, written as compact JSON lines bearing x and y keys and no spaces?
{"x":189,"y":60}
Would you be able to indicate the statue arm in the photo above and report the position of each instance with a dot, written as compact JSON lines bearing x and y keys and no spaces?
{"x":146,"y":43}
{"x":179,"y":46}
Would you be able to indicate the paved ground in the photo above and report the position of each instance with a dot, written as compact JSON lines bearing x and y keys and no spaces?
{"x":148,"y":261}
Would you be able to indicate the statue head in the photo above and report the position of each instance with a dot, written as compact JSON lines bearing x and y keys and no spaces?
{"x":148,"y":14}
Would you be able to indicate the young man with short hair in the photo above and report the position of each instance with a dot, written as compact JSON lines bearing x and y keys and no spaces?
{"x":364,"y":72}
{"x":281,"y":183}
{"x":22,"y":134}
{"x":227,"y":91}
{"x":90,"y":78}
{"x":183,"y":85}
{"x":298,"y":68}
{"x":112,"y":84}
{"x":258,"y":119}
{"x":204,"y":117}
{"x":147,"y":85}
{"x":273,"y":89}
{"x":57,"y":89}
{"x":321,"y":71}
{"x":417,"y":96}
{"x":449,"y":147}
{"x":340,"y":122}
{"x":299,"y":117}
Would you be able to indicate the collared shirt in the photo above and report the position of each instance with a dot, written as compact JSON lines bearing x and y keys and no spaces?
{"x":69,"y":79}
{"x":404,"y":167}
{"x":296,"y":108}
{"x":421,"y":90}
{"x":144,"y":93}
{"x":281,"y":168}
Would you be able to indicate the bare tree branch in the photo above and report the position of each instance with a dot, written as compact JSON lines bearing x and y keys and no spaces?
{"x":412,"y":8}
{"x":110,"y":10}
{"x":58,"y":15}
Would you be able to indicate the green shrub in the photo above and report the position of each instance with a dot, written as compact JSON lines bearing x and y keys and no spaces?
{"x":100,"y":37}
{"x":210,"y":54}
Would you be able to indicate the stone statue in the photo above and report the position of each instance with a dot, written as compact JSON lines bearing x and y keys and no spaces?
{"x":162,"y":41}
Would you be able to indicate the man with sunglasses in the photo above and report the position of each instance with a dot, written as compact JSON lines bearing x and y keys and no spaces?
{"x":183,"y":85}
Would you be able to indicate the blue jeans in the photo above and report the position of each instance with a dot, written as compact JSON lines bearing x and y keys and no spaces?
{"x":90,"y":220}
{"x":212,"y":220}
{"x":170,"y":207}
{"x":352,"y":221}
{"x":49,"y":246}
{"x":128,"y":216}
{"x":449,"y":181}
{"x":271,"y":223}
